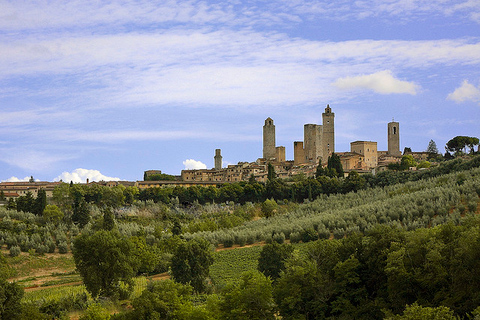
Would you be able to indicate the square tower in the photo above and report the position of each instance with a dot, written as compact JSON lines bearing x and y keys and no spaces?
{"x":218,"y":159}
{"x":312,"y":139}
{"x":394,"y":139}
{"x":269,"y":139}
{"x":328,"y":139}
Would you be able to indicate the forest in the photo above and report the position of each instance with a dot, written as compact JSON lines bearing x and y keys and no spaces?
{"x":395,"y":245}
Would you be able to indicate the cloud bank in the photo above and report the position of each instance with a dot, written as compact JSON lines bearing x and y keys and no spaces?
{"x":81,"y":175}
{"x":466,"y":92}
{"x":193,"y":164}
{"x":382,"y":82}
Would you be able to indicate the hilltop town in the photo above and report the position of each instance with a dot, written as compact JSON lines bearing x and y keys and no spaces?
{"x":317,"y":146}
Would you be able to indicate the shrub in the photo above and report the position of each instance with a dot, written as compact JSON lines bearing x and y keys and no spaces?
{"x":15,"y":251}
{"x":63,"y":247}
{"x":295,"y":237}
{"x":309,"y":234}
{"x":279,"y":237}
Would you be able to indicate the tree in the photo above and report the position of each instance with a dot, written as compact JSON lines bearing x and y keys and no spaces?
{"x":416,"y":312}
{"x":163,"y":300}
{"x":459,"y":143}
{"x":95,"y":312}
{"x":106,"y":262}
{"x":40,"y":202}
{"x":335,"y":163}
{"x":251,"y":298}
{"x":272,"y":259}
{"x":108,"y":219}
{"x":191,"y":263}
{"x":81,"y":213}
{"x":407,"y":162}
{"x":269,"y":208}
{"x":10,"y":300}
{"x":26,"y":203}
{"x":406,"y":150}
{"x":353,"y":182}
{"x":10,"y":294}
{"x":53,"y":214}
{"x":432,"y":148}
{"x":2,"y":196}
{"x":320,"y":170}
{"x":271,"y":175}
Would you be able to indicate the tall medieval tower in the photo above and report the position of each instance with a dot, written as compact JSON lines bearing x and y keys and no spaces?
{"x":269,"y":139}
{"x":218,"y":159}
{"x":394,"y":139}
{"x":328,"y":139}
{"x":312,"y":139}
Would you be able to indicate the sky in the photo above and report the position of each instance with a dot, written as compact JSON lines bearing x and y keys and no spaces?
{"x":109,"y":89}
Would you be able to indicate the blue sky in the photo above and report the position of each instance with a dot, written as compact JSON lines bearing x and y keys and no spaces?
{"x":108,"y":89}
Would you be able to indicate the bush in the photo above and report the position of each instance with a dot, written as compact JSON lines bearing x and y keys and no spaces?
{"x":228,"y":241}
{"x":15,"y":251}
{"x":279,"y":237}
{"x":309,"y":234}
{"x":295,"y":237}
{"x":63,"y":247}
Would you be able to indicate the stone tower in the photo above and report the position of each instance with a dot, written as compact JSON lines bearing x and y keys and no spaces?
{"x":269,"y":139}
{"x":298,"y":153}
{"x":394,"y":139}
{"x":328,"y":139}
{"x":312,"y":139}
{"x":218,"y":159}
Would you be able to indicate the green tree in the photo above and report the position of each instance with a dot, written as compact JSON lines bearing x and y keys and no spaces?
{"x":353,"y":182}
{"x":272,"y":259}
{"x":10,"y":294}
{"x":2,"y":196}
{"x":26,"y":203}
{"x":416,"y":312}
{"x":269,"y":208}
{"x":53,"y":214}
{"x":147,"y":256}
{"x":407,"y":162}
{"x":335,"y":163}
{"x":95,"y":312}
{"x":271,"y":175}
{"x":432,"y":148}
{"x":163,"y":300}
{"x":106,"y":262}
{"x":191,"y":263}
{"x":251,"y":298}
{"x":81,"y":213}
{"x":40,"y":202}
{"x":108,"y":219}
{"x":460,"y":143}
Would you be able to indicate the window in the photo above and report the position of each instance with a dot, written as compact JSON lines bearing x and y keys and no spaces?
{"x":394,"y":130}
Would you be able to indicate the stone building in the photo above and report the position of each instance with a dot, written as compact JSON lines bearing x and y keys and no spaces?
{"x":394,"y":139}
{"x":318,"y":141}
{"x":269,"y":139}
{"x":218,"y":159}
{"x":368,"y":149}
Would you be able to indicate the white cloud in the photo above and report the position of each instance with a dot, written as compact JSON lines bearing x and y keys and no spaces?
{"x":466,"y":92}
{"x":81,"y":175}
{"x":382,"y":82}
{"x":193,"y":164}
{"x":15,"y":179}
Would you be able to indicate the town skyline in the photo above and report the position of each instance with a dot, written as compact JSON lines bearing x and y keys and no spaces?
{"x":118,"y":88}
